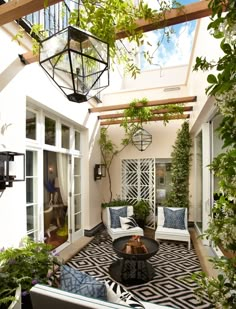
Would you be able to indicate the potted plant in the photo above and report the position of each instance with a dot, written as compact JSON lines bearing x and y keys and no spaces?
{"x":141,"y":212}
{"x":31,"y":263}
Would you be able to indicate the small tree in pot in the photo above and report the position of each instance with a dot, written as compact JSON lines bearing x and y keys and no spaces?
{"x":141,"y":212}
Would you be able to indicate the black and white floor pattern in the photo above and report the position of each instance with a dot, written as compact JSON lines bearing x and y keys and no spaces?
{"x":172,"y":284}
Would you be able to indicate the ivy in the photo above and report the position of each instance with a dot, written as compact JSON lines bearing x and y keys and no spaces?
{"x":222,"y":226}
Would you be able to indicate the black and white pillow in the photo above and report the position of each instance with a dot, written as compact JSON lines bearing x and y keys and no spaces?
{"x":119,"y":295}
{"x":127,"y":223}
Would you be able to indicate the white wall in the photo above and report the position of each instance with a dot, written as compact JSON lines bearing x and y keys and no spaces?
{"x":21,"y":85}
{"x":163,"y":138}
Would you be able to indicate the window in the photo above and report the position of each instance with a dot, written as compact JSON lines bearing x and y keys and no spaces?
{"x":31,"y":194}
{"x":65,"y":137}
{"x":30,"y":125}
{"x":77,"y":140}
{"x":50,"y":131}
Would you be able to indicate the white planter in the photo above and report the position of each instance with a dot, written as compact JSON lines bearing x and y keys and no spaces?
{"x":17,"y":303}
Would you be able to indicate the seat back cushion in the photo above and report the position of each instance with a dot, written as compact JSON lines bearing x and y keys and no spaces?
{"x":115,"y":215}
{"x":174,"y":219}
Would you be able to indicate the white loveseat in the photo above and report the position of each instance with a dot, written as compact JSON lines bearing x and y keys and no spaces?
{"x":47,"y":298}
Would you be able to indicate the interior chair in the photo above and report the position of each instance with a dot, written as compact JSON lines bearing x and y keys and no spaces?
{"x":48,"y":214}
{"x":114,"y":226}
{"x":172,"y":224}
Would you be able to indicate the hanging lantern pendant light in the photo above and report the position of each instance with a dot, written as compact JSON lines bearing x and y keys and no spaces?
{"x":141,"y":139}
{"x":77,"y":61}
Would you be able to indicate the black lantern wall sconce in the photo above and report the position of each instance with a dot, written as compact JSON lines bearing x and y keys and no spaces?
{"x":77,"y":61}
{"x":99,"y":171}
{"x":141,"y":139}
{"x":12,"y":168}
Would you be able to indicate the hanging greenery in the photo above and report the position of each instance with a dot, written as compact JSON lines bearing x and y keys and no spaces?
{"x":180,"y":167}
{"x":134,"y":116}
{"x":222,"y":226}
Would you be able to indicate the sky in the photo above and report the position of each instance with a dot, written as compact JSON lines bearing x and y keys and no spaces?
{"x":175,"y":52}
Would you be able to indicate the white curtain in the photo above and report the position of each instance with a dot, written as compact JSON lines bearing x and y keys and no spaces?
{"x":62,"y":173}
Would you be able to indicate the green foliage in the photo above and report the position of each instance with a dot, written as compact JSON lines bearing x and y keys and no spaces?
{"x":27,"y":265}
{"x":222,"y":226}
{"x":134,"y":116}
{"x":221,"y":290}
{"x":180,"y":166}
{"x":106,"y":18}
{"x":141,"y":210}
{"x":115,"y":202}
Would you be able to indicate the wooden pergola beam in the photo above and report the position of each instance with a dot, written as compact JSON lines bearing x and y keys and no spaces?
{"x":189,"y":12}
{"x":160,"y":118}
{"x":154,"y":112}
{"x":16,"y":9}
{"x":182,"y":100}
{"x":176,"y":16}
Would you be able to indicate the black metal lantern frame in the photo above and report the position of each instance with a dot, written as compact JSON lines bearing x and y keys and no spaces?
{"x":141,"y":139}
{"x":12,"y":168}
{"x":77,"y":61}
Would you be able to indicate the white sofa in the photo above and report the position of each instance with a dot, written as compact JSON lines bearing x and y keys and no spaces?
{"x":119,"y":232}
{"x":47,"y":298}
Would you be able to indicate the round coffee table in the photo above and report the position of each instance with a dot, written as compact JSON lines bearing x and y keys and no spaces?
{"x":133,"y":268}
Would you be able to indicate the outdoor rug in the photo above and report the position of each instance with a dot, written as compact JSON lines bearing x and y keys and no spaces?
{"x":171,"y":285}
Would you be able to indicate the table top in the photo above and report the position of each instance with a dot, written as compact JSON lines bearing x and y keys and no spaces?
{"x":151,"y":245}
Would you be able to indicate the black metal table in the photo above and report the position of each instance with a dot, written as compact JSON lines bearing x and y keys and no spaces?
{"x":133,"y":269}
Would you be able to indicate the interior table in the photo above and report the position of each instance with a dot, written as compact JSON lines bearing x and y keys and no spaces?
{"x":132,"y":269}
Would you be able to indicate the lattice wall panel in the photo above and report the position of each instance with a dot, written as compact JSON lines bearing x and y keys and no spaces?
{"x":138,"y":182}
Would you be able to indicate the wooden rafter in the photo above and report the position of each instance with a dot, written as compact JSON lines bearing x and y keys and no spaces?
{"x":154,"y":112}
{"x":182,"y":100}
{"x":156,"y":118}
{"x":189,"y":12}
{"x":18,"y":8}
{"x":176,"y":16}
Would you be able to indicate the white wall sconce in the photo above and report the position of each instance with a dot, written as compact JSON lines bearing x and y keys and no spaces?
{"x":12,"y":168}
{"x":99,"y":171}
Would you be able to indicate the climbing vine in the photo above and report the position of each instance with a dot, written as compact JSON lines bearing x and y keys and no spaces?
{"x":222,"y":85}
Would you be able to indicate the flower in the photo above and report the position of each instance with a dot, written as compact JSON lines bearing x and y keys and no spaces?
{"x":27,"y":265}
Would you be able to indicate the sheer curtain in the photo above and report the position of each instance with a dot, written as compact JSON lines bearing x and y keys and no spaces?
{"x":62,"y":173}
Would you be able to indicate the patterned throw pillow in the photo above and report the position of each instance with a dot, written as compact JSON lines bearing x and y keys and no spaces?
{"x":75,"y":281}
{"x":174,"y":218}
{"x":115,"y":215}
{"x":127,"y":223}
{"x":119,"y":295}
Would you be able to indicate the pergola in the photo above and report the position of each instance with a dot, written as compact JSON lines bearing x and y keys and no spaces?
{"x":14,"y":10}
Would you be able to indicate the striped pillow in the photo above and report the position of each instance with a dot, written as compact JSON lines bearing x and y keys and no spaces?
{"x":119,"y":295}
{"x":127,"y":223}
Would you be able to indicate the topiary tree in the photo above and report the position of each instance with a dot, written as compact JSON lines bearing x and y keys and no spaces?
{"x":179,"y":193}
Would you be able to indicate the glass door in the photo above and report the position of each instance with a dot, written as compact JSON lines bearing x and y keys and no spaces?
{"x":55,"y":198}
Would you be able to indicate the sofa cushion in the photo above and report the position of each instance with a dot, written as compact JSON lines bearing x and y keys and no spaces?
{"x":128,"y":223}
{"x":115,"y":215}
{"x":119,"y":295}
{"x":174,"y":219}
{"x":75,"y":281}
